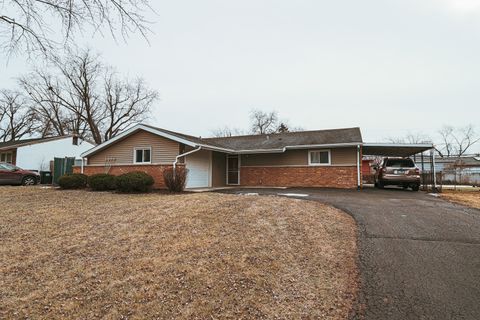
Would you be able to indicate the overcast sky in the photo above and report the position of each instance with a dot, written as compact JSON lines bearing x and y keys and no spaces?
{"x":389,"y":66}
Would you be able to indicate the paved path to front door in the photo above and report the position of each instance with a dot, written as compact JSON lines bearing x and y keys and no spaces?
{"x":419,"y":255}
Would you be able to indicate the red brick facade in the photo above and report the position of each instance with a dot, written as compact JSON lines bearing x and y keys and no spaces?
{"x":311,"y":176}
{"x":302,"y":176}
{"x":156,"y":171}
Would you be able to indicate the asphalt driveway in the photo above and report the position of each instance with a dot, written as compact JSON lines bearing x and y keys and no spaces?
{"x":419,"y":255}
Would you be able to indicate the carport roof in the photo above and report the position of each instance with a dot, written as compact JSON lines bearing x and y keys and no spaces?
{"x":395,"y":149}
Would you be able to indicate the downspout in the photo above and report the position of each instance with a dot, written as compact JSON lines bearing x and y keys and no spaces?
{"x":358,"y":168}
{"x":183,"y":155}
{"x":434,"y":172}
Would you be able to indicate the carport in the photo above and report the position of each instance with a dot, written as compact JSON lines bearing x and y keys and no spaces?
{"x":405,"y":150}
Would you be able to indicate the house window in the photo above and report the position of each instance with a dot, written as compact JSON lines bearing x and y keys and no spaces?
{"x":6,"y":157}
{"x":319,"y":158}
{"x":143,"y":155}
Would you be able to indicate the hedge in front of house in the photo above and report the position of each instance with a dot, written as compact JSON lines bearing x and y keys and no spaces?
{"x":134,"y":182}
{"x":102,"y":182}
{"x":73,"y":181}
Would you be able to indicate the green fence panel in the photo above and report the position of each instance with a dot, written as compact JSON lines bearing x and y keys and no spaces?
{"x":62,"y":166}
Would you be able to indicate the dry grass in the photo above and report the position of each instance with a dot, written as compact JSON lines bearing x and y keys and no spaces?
{"x":468,"y":198}
{"x":84,"y":255}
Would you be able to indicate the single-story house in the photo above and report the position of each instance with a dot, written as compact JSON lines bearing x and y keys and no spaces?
{"x":36,"y":154}
{"x":320,"y":158}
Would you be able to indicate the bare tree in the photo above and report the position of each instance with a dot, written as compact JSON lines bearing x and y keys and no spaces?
{"x":457,"y":141}
{"x":16,"y":118}
{"x":123,"y":103}
{"x":263,"y":122}
{"x":464,"y":139}
{"x":412,"y":137}
{"x":33,"y":25}
{"x":284,"y":127}
{"x":87,"y":98}
{"x":445,"y":148}
{"x":53,"y":118}
{"x":227,"y":132}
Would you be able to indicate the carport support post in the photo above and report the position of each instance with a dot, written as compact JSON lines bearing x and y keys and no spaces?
{"x":81,"y":166}
{"x":423,"y":172}
{"x":434,"y":171}
{"x":359,"y":182}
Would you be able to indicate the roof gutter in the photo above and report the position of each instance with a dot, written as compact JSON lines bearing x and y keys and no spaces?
{"x":306,"y":146}
{"x":213,"y":148}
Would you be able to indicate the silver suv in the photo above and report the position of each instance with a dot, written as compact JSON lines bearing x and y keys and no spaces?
{"x":397,"y":172}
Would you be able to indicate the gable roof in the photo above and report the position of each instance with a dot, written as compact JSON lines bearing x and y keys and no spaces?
{"x":26,"y":142}
{"x":172,"y":135}
{"x":277,"y":142}
{"x":290,"y":140}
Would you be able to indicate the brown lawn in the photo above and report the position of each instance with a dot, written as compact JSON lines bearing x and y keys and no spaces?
{"x":84,"y":255}
{"x":468,"y":198}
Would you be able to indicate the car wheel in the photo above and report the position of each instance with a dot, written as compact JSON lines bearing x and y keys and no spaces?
{"x":29,"y":181}
{"x":416,"y":187}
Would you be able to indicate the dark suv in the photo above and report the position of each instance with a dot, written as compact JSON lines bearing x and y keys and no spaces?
{"x":397,"y":172}
{"x":10,"y":174}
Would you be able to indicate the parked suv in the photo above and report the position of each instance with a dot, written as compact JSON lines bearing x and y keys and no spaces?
{"x":10,"y":174}
{"x":398,"y":172}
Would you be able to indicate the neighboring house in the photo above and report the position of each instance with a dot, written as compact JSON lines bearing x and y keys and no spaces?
{"x":36,"y":154}
{"x":323,"y":158}
{"x":457,"y":170}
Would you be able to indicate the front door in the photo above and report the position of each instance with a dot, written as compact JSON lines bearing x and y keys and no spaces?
{"x":233,"y":169}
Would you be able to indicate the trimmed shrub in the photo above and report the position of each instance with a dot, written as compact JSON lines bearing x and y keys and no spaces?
{"x":175,"y":182}
{"x":73,"y":181}
{"x":134,"y":182}
{"x":101,"y":182}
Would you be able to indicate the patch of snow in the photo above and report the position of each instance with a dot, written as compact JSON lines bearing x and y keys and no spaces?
{"x":434,"y":194}
{"x":250,"y":194}
{"x":293,"y":194}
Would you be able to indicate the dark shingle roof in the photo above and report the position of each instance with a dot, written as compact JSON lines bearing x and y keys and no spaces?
{"x":282,"y":140}
{"x":19,"y":143}
{"x":272,"y":142}
{"x":177,"y":134}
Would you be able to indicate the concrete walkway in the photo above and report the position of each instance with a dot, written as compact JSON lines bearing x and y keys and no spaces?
{"x":419,"y":255}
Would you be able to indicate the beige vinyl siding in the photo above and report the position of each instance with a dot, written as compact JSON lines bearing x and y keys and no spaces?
{"x":339,"y":157}
{"x":344,"y":156}
{"x":287,"y":158}
{"x":164,"y":150}
{"x":219,"y":169}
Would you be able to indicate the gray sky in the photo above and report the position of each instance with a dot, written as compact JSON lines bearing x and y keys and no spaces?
{"x":389,"y":66}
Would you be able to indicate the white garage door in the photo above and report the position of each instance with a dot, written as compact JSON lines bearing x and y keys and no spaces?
{"x":198,"y":165}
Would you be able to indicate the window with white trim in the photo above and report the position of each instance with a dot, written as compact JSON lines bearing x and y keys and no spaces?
{"x":319,"y":158}
{"x":143,"y":155}
{"x":6,"y":157}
